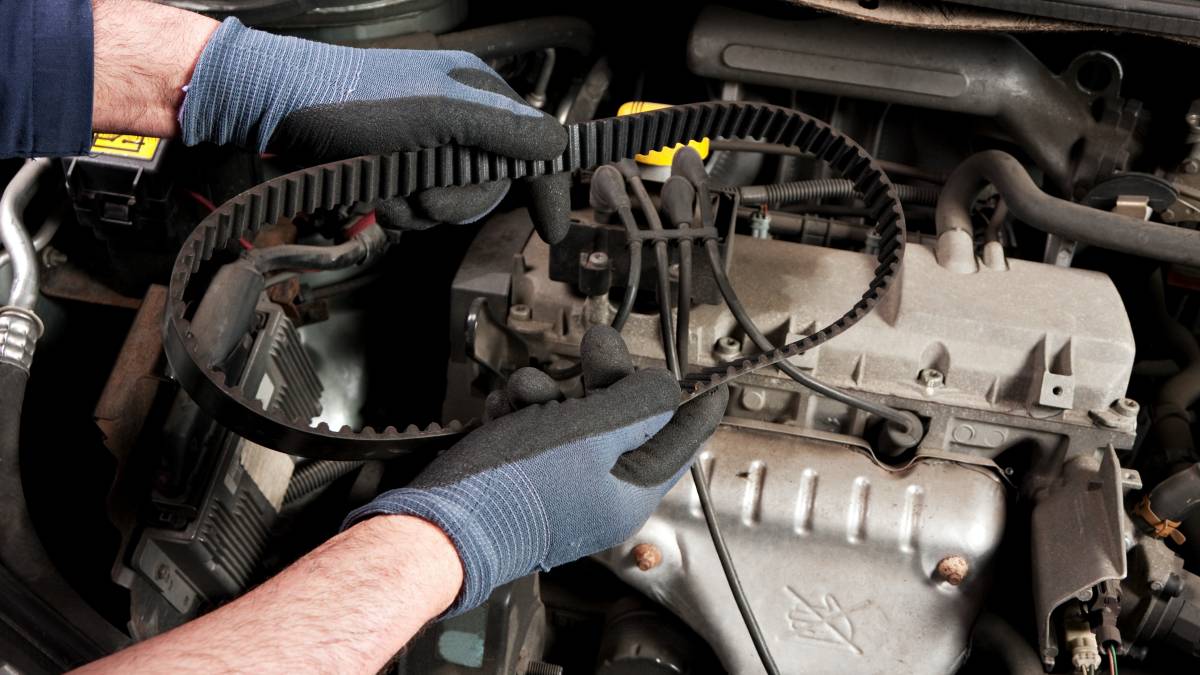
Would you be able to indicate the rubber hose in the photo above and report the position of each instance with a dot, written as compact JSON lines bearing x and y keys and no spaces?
{"x":84,"y":635}
{"x":635,"y":270}
{"x":826,"y":188}
{"x":1178,"y":496}
{"x":1172,"y":426}
{"x":632,"y":175}
{"x":1052,"y":215}
{"x":315,"y":476}
{"x":997,"y":638}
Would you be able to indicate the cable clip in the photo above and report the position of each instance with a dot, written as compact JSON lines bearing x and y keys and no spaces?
{"x":1162,"y":528}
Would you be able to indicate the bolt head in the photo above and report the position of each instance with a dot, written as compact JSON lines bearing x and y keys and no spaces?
{"x":520,"y":312}
{"x":753,"y":398}
{"x":1126,"y":407}
{"x":931,"y":378}
{"x":1190,"y":166}
{"x":727,"y":347}
{"x":1193,"y":120}
{"x":953,"y":569}
{"x":647,"y":556}
{"x":598,"y":259}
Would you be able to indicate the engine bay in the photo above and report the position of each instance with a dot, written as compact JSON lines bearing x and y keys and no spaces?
{"x":946,"y":267}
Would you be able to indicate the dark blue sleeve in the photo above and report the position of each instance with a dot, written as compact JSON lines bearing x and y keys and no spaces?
{"x":45,"y":77}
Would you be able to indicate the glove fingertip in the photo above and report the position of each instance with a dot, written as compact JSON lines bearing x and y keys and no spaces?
{"x":550,"y":206}
{"x":605,"y":358}
{"x":662,"y":389}
{"x":530,"y":386}
{"x":496,"y":405}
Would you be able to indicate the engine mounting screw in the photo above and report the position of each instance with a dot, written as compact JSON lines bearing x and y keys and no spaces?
{"x":1191,"y":165}
{"x":931,"y":378}
{"x":1126,"y":407}
{"x":1168,"y":215}
{"x":598,"y":259}
{"x":520,"y":312}
{"x":727,"y":347}
{"x":647,"y":556}
{"x":1085,"y":595}
{"x":162,"y":572}
{"x":1156,"y":586}
{"x":953,"y":569}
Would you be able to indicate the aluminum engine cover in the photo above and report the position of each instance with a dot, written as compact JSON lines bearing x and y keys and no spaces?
{"x":837,"y":554}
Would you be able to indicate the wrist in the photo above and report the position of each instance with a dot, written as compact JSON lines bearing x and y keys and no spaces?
{"x":144,"y":55}
{"x":423,"y":545}
{"x":467,"y":512}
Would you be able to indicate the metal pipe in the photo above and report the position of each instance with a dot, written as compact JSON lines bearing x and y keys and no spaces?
{"x":537,"y":97}
{"x":1027,"y":203}
{"x":15,"y":237}
{"x":41,"y":238}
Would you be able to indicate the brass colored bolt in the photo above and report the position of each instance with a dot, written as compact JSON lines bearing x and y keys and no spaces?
{"x":647,"y":556}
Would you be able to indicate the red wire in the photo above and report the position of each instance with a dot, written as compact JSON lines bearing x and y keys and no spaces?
{"x":202,"y":200}
{"x":360,"y":225}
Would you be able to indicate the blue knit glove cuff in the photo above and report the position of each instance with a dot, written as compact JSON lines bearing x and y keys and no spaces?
{"x":247,"y":81}
{"x":497,"y":523}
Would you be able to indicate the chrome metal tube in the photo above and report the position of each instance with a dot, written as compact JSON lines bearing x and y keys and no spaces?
{"x":17,"y":242}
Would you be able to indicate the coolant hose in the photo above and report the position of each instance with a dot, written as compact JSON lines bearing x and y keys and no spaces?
{"x":1052,"y":215}
{"x":995,"y":637}
{"x":1178,"y":496}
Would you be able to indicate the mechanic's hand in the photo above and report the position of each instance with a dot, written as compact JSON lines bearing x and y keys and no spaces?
{"x":551,"y":480}
{"x":324,"y":102}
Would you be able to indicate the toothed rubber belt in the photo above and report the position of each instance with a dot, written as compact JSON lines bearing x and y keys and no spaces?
{"x":590,"y":144}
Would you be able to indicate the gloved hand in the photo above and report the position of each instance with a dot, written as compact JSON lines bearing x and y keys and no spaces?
{"x":552,"y":481}
{"x":324,"y":102}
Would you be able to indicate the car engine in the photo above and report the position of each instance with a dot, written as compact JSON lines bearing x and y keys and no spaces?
{"x":943,"y":255}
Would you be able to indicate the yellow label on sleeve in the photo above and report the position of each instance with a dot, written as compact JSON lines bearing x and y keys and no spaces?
{"x":125,"y":145}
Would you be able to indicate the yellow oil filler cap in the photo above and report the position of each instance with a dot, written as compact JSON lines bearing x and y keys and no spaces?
{"x":660,"y":157}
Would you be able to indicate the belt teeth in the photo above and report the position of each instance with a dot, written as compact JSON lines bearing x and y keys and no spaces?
{"x":368,"y":178}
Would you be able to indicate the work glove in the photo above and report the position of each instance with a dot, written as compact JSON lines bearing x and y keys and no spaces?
{"x":548,"y":481}
{"x":320,"y":102}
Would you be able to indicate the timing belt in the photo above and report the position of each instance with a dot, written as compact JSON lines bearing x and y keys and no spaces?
{"x":378,"y":177}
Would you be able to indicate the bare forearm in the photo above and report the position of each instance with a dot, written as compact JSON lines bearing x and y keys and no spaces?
{"x":348,"y":606}
{"x":144,"y":55}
